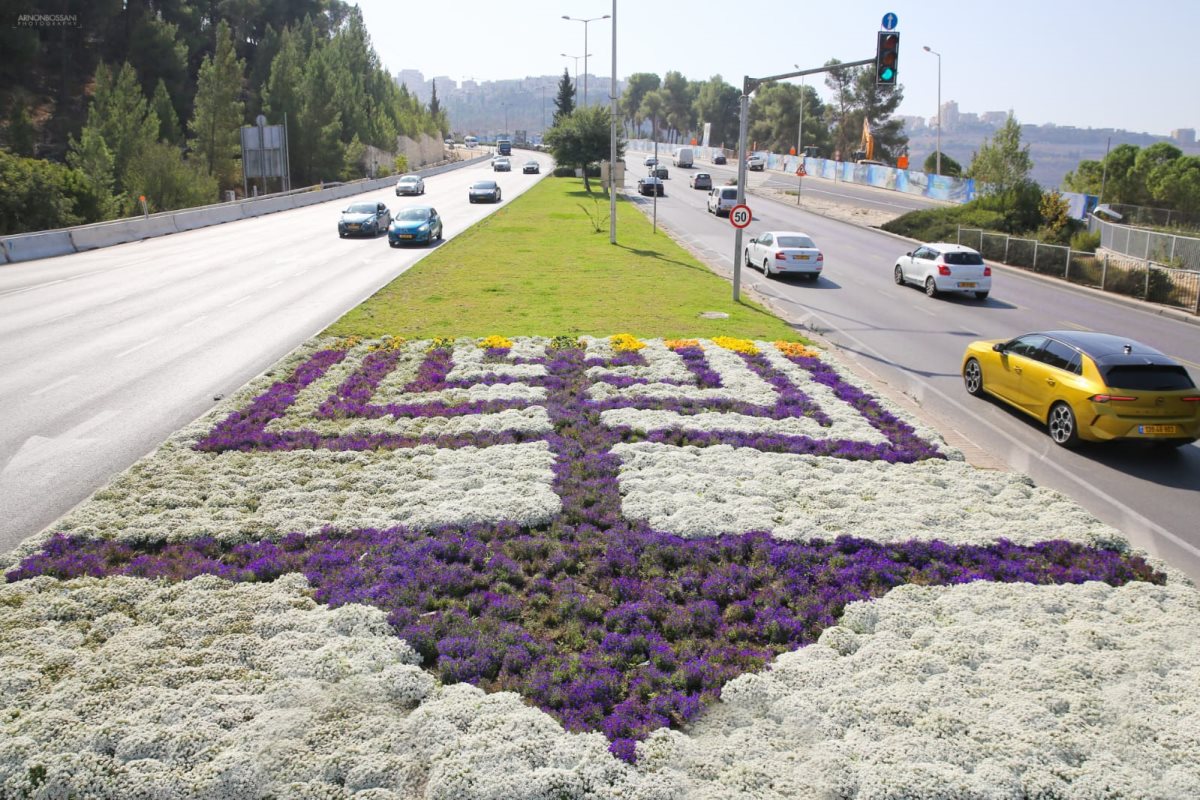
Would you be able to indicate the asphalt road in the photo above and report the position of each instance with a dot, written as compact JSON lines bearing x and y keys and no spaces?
{"x":106,"y":353}
{"x":915,"y":344}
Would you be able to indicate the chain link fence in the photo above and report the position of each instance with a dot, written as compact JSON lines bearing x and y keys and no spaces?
{"x":1146,"y":217}
{"x":1109,"y":272}
{"x":1167,"y":249}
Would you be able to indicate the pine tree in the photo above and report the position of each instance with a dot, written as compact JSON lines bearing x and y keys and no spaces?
{"x":92,"y":158}
{"x":168,"y":122}
{"x":1002,"y":163}
{"x":122,"y":119}
{"x":434,"y":107}
{"x":564,"y":104}
{"x":218,"y":115}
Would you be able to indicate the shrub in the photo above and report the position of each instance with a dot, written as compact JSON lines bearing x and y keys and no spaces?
{"x":1085,"y":242}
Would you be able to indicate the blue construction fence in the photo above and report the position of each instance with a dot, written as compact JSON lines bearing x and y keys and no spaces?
{"x":935,"y":187}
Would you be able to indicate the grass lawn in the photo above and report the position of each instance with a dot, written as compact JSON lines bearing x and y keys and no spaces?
{"x":537,"y":267}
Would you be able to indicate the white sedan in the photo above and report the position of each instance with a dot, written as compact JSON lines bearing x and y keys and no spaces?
{"x":942,"y":267}
{"x":785,"y":253}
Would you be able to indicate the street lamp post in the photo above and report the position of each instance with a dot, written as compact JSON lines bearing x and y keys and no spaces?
{"x":612,"y":158}
{"x":938,"y":169}
{"x":800,"y":137}
{"x":584,"y":57}
{"x":585,"y":47}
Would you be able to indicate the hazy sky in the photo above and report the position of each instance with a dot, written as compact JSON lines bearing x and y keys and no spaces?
{"x":1090,"y":63}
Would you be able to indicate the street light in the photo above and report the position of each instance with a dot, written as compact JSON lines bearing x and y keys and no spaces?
{"x":800,"y":137}
{"x":584,"y":57}
{"x":938,"y":169}
{"x":585,"y":47}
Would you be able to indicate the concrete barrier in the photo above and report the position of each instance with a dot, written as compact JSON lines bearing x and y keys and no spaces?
{"x":208,"y":215}
{"x":268,"y":205}
{"x":106,"y":234}
{"x":31,"y":246}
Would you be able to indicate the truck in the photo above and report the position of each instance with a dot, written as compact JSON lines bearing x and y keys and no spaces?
{"x":504,"y":147}
{"x":682,"y":157}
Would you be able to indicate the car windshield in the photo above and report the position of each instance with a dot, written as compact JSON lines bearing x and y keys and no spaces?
{"x":485,"y":185}
{"x":361,"y":208}
{"x":409,"y":179}
{"x":964,"y":259}
{"x":1148,"y":377}
{"x":413,"y":214}
{"x":795,"y":241}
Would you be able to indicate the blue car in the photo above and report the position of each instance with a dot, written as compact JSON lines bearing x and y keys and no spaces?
{"x":415,"y":225}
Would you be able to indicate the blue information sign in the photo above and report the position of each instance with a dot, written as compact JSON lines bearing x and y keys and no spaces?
{"x":889,"y":21}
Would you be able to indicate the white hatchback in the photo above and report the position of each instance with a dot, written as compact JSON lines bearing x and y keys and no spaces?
{"x":942,"y":267}
{"x":785,"y":253}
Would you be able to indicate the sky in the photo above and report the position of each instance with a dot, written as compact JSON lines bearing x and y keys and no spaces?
{"x":1094,"y":63}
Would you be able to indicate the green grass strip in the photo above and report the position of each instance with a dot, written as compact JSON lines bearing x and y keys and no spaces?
{"x":539,"y":267}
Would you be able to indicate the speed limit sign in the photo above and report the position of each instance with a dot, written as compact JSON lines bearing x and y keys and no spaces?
{"x":740,"y":216}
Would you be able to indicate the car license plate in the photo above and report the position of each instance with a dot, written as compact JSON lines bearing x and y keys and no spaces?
{"x":353,"y":227}
{"x":406,"y":236}
{"x":800,"y":258}
{"x":966,"y":284}
{"x":1157,"y":429}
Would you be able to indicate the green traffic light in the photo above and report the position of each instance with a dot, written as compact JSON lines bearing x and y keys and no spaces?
{"x":887,"y":74}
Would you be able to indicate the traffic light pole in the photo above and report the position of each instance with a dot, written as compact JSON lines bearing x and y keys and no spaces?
{"x":749,"y":86}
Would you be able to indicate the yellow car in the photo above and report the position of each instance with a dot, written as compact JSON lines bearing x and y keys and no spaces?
{"x":1088,"y":386}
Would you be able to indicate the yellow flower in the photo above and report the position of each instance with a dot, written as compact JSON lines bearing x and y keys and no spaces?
{"x":736,"y":345}
{"x":347,"y":343}
{"x":389,"y":343}
{"x":797,"y":349}
{"x":625,"y":341}
{"x":496,"y":342}
{"x":679,"y":344}
{"x":439,"y":342}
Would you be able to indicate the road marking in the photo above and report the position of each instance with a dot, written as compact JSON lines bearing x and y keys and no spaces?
{"x":54,"y":385}
{"x":1185,"y":361}
{"x":137,"y":347}
{"x":62,"y":316}
{"x":193,"y":322}
{"x":1077,"y":326}
{"x":301,"y":272}
{"x":31,"y":288}
{"x":273,"y":285}
{"x":240,"y":300}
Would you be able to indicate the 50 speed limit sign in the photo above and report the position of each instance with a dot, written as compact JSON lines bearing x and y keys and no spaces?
{"x":740,"y":216}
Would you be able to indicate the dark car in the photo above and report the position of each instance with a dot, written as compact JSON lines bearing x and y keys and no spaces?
{"x":366,"y":219}
{"x":659,"y":172}
{"x":531,"y":168}
{"x":502,"y":165}
{"x":719,"y":158}
{"x":415,"y":225}
{"x":650,"y":186}
{"x":701,"y":180}
{"x":482,"y":191}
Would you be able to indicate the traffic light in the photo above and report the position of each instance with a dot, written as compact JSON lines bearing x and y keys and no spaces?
{"x":887,"y":58}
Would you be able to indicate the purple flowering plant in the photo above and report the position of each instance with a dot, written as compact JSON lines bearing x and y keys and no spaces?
{"x":599,"y":620}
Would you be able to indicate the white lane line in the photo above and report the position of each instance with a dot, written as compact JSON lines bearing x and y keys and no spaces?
{"x":55,"y":385}
{"x":198,"y":319}
{"x":137,"y":347}
{"x":31,"y":288}
{"x":301,"y":272}
{"x":62,"y":316}
{"x":240,"y":300}
{"x":273,"y":285}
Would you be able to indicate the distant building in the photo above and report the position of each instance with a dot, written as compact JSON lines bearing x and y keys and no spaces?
{"x":412,"y":78}
{"x":993,"y":118}
{"x":1184,"y":136}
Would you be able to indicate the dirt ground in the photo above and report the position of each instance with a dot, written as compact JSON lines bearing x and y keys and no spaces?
{"x":866,"y":217}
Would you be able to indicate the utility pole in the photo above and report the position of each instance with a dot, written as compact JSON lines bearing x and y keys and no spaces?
{"x":612,"y":158}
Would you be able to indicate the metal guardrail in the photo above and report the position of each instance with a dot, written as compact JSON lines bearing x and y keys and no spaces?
{"x":1107,"y":271}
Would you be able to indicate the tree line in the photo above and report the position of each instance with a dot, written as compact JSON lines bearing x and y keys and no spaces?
{"x":150,"y":103}
{"x":675,"y":108}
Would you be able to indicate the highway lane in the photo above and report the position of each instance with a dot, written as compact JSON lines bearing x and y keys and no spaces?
{"x":816,"y":188}
{"x":104,"y":354}
{"x":915,"y":344}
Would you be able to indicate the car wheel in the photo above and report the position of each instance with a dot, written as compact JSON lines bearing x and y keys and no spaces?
{"x":1061,"y":425}
{"x":981,"y":295}
{"x":767,"y":269}
{"x":931,"y":287}
{"x":899,"y":275}
{"x":393,"y":244}
{"x":341,"y":234}
{"x":973,"y":378}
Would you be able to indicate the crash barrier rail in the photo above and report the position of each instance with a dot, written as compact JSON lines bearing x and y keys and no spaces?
{"x":1105,"y":270}
{"x":935,"y":187}
{"x":46,"y":244}
{"x":1163,"y":248}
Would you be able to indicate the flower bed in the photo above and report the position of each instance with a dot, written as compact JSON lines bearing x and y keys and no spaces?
{"x":614,"y":530}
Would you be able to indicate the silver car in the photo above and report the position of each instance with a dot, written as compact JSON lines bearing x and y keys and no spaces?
{"x":410,"y":184}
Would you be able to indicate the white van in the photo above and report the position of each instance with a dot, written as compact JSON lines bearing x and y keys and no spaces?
{"x":682,"y":157}
{"x":721,"y":199}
